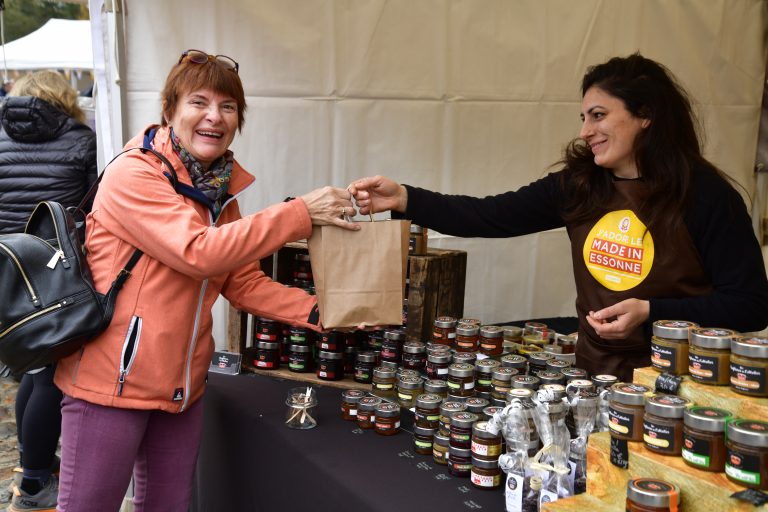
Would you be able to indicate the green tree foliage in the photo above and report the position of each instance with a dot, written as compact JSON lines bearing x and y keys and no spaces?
{"x":24,"y":16}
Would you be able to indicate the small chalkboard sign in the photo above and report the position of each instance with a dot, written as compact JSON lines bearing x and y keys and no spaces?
{"x":668,"y":384}
{"x":753,"y":496}
{"x":619,"y":453}
{"x":225,"y":362}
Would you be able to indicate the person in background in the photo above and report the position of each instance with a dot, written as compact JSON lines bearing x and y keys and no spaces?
{"x":46,"y":153}
{"x":656,"y":230}
{"x":132,"y":395}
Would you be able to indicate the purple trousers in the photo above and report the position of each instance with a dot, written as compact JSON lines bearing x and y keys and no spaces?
{"x":101,"y":447}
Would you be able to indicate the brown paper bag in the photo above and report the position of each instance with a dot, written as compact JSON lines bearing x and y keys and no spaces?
{"x":360,"y":275}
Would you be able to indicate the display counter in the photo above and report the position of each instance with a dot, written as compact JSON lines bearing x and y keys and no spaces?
{"x":250,"y":461}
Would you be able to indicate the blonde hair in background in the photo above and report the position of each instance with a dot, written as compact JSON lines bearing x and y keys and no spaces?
{"x":52,"y":87}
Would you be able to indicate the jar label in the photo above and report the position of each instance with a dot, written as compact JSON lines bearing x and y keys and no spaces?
{"x":693,"y":457}
{"x":265,"y":364}
{"x":620,"y":423}
{"x":743,"y":467}
{"x":703,"y":368}
{"x":469,"y":385}
{"x":513,"y":492}
{"x":492,"y":450}
{"x":483,"y":382}
{"x":422,"y":444}
{"x":382,"y":386}
{"x":486,"y":480}
{"x":748,"y":379}
{"x":442,"y":371}
{"x":454,"y":385}
{"x":325,"y":374}
{"x":266,"y":337}
{"x":296,"y":366}
{"x":659,"y":436}
{"x":663,"y":358}
{"x":404,"y":397}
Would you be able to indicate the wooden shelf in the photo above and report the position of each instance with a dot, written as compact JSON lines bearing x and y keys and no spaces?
{"x":580,"y":503}
{"x":309,"y":378}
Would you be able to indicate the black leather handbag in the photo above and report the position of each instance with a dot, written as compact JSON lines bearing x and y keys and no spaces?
{"x":49,"y":307}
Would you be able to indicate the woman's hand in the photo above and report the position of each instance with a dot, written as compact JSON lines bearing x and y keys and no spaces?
{"x":329,"y":205}
{"x":378,"y":194}
{"x":618,"y":321}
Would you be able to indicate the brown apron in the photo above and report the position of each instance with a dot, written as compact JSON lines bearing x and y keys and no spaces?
{"x":622,"y":259}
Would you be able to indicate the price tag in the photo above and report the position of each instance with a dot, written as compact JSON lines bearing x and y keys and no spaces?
{"x":619,"y":453}
{"x":225,"y":362}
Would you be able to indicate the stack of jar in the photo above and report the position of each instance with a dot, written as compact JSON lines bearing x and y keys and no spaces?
{"x":302,"y":273}
{"x":301,"y":345}
{"x":331,"y":346}
{"x":267,"y":335}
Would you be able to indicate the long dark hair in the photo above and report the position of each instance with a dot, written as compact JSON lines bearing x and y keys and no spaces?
{"x":666,"y":152}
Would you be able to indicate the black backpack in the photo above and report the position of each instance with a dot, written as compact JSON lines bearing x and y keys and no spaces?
{"x":49,"y":307}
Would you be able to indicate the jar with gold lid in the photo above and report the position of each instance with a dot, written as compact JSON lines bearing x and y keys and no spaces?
{"x":663,"y":423}
{"x":467,"y":336}
{"x":444,"y":330}
{"x":383,"y":382}
{"x":461,"y":379}
{"x":408,"y":388}
{"x":749,"y":365}
{"x":652,"y":495}
{"x":704,"y":438}
{"x":626,"y":410}
{"x":484,"y":374}
{"x":491,"y":340}
{"x":669,"y":346}
{"x":387,"y":419}
{"x":427,"y":413}
{"x":709,"y":355}
{"x":436,"y":387}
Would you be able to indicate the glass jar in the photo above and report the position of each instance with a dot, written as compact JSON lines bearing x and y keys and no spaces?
{"x":746,"y":461}
{"x":387,"y":419}
{"x":392,"y":346}
{"x":663,"y":423}
{"x":567,"y":342}
{"x":549,"y":377}
{"x":626,"y":410}
{"x":485,"y":473}
{"x":526,"y":382}
{"x":414,"y":355}
{"x":489,"y":411}
{"x":437,"y":365}
{"x":485,"y":445}
{"x":491,"y":340}
{"x":383,"y":382}
{"x":459,"y":461}
{"x":556,"y":391}
{"x":536,"y":328}
{"x":476,"y":404}
{"x":574,"y":373}
{"x":501,"y":381}
{"x":484,"y":374}
{"x":423,"y":440}
{"x":366,"y":411}
{"x":537,"y":362}
{"x":604,"y":381}
{"x":350,"y":356}
{"x":444,"y":330}
{"x":528,"y":349}
{"x":427,"y":413}
{"x":408,"y":388}
{"x":576,"y":385}
{"x":522,"y":394}
{"x":704,"y":438}
{"x":375,"y":340}
{"x":447,"y":410}
{"x":440,"y":443}
{"x":652,"y":495}
{"x":516,"y":361}
{"x":461,"y":429}
{"x":267,"y":355}
{"x":300,"y":360}
{"x":557,"y":365}
{"x":350,"y":398}
{"x":467,"y":337}
{"x":461,"y":379}
{"x":465,"y":357}
{"x":709,"y":355}
{"x":437,"y":387}
{"x":267,"y":330}
{"x":331,"y":341}
{"x":301,"y":336}
{"x":749,"y":366}
{"x":330,"y":365}
{"x":513,"y":337}
{"x":669,"y":346}
{"x":364,"y":365}
{"x":389,"y":365}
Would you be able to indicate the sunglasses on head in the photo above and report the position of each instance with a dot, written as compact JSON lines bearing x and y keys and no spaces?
{"x":198,"y":57}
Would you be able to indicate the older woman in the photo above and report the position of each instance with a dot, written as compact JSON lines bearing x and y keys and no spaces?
{"x":132,"y":396}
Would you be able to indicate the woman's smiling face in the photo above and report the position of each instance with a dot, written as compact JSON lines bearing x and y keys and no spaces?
{"x":611,"y":130}
{"x":205,"y":122}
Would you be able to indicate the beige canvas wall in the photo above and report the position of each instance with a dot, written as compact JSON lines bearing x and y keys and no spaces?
{"x":463,"y":96}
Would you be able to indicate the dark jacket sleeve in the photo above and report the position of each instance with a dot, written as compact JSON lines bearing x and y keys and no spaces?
{"x":532,"y":208}
{"x":722,"y":232}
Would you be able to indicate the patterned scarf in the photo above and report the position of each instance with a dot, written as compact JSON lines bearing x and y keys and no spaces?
{"x":214,"y":181}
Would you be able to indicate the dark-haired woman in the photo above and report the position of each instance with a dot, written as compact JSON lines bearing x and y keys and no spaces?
{"x":656,"y":231}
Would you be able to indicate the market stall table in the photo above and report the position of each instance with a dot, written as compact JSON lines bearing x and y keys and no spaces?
{"x":250,"y":461}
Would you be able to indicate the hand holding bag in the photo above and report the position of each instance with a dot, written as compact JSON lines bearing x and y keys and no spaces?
{"x":360,"y":275}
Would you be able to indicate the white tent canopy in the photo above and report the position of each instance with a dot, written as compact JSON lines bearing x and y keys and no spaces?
{"x":59,"y":44}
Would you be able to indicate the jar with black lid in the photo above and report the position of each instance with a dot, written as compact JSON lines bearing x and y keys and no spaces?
{"x":444,"y":330}
{"x":350,"y":398}
{"x":447,"y":410}
{"x":461,"y":429}
{"x":459,"y":461}
{"x":704,"y":437}
{"x":300,"y":359}
{"x":375,"y":340}
{"x":574,"y":373}
{"x":389,"y":365}
{"x":501,"y":381}
{"x":549,"y":377}
{"x":652,"y":495}
{"x":476,"y":405}
{"x":709,"y":355}
{"x":366,"y":411}
{"x":485,"y":473}
{"x":663,"y":423}
{"x":365,"y":362}
{"x":387,"y":419}
{"x":626,"y":410}
{"x":267,"y":355}
{"x":427,"y":413}
{"x":423,"y":440}
{"x":383,"y":382}
{"x":461,"y":379}
{"x":350,"y":356}
{"x":537,"y":362}
{"x":749,"y":366}
{"x":465,"y":357}
{"x":301,"y":336}
{"x":516,"y":361}
{"x":408,"y":388}
{"x":267,"y":330}
{"x":526,"y":381}
{"x":484,"y":374}
{"x":467,"y":337}
{"x":330,"y":365}
{"x":746,"y":461}
{"x":436,"y":387}
{"x":491,"y":340}
{"x":392,"y":346}
{"x":669,"y":346}
{"x":414,"y":355}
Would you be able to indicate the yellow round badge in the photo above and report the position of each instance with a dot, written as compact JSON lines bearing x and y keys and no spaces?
{"x":618,"y":250}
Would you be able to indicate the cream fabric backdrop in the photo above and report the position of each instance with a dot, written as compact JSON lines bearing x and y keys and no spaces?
{"x":462,"y":96}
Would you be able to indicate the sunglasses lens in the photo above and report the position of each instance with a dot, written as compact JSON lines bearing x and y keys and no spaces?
{"x":197,"y":57}
{"x":226,"y":62}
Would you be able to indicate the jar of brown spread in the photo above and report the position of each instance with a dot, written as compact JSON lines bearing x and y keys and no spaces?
{"x":749,"y":365}
{"x":626,"y":410}
{"x":663,"y":423}
{"x":704,"y":438}
{"x":746,"y":461}
{"x":669,"y":346}
{"x":709,"y":355}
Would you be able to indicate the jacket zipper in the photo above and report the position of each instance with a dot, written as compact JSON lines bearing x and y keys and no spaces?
{"x":193,"y":344}
{"x":32,"y":294}
{"x":32,"y":317}
{"x":128,"y":354}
